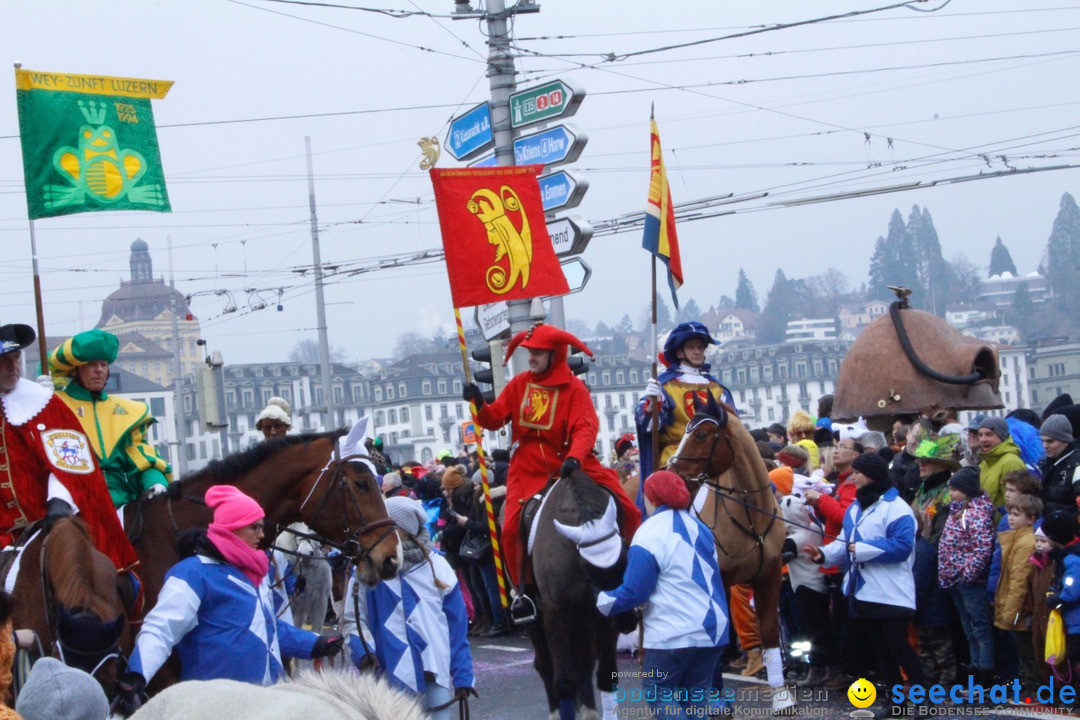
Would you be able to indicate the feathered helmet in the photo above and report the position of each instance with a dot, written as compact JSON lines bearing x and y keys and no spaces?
{"x":682,"y":334}
{"x":546,"y":337}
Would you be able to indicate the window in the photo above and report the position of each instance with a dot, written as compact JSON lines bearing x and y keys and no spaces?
{"x":157,"y":366}
{"x":740,"y":374}
{"x":190,"y":451}
{"x":605,"y":378}
{"x":622,"y":401}
{"x":457,"y":387}
{"x":620,"y":378}
{"x":427,"y":412}
{"x":216,"y":448}
{"x":318,"y":396}
{"x":766,"y":373}
{"x":442,"y":387}
{"x":783,"y":372}
{"x":458,"y":412}
{"x":442,"y":411}
{"x":592,"y":378}
{"x":378,"y":393}
{"x":1007,"y":398}
{"x":379,"y":417}
{"x":391,"y":417}
{"x":426,"y":455}
{"x":755,"y":374}
{"x":157,"y":407}
{"x":401,"y":389}
{"x":772,"y":414}
{"x":187,"y":408}
{"x":633,"y":377}
{"x":339,"y":395}
{"x":404,"y":414}
{"x":768,"y":393}
{"x":800,"y":370}
{"x":230,"y":400}
{"x":389,"y":392}
{"x":146,"y":368}
{"x":266,"y":392}
{"x":202,"y":450}
{"x":356,"y":393}
{"x":425,"y":387}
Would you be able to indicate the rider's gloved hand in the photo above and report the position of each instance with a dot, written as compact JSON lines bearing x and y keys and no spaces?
{"x":46,"y":382}
{"x":472,"y":394}
{"x":653,"y":389}
{"x":154,"y":490}
{"x":463,"y":693}
{"x":130,"y":693}
{"x":327,"y":646}
{"x":54,"y":510}
{"x":569,"y":466}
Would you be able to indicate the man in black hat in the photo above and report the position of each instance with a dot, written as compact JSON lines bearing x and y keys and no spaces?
{"x":1060,"y":468}
{"x":47,"y":466}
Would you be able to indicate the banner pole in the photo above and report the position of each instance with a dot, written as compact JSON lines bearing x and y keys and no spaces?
{"x":492,"y":531}
{"x":655,"y":435}
{"x":43,"y":352}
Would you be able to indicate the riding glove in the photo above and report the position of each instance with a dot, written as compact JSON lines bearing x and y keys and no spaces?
{"x":653,"y":390}
{"x":569,"y":466}
{"x":130,"y":692}
{"x":327,"y":646}
{"x":472,"y":394}
{"x":463,"y":693}
{"x":54,"y":510}
{"x":1053,"y":601}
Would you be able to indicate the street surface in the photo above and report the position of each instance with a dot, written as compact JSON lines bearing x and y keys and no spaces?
{"x":510,"y":689}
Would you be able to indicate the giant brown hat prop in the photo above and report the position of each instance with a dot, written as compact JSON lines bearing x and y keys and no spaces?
{"x":909,"y":361}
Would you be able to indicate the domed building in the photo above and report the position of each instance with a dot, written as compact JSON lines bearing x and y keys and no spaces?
{"x":140,"y":314}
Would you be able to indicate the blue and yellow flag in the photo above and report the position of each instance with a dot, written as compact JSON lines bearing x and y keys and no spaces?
{"x":89,"y":143}
{"x":660,"y":238}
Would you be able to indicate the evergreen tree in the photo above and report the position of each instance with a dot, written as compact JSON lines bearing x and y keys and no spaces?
{"x":1000,"y":259}
{"x":893,"y":261}
{"x":1063,"y":257}
{"x":780,"y":305}
{"x":689,"y":311}
{"x":745,"y":295}
{"x":1022,"y":311}
{"x":726,"y":304}
{"x":663,"y":316}
{"x":626,"y":325}
{"x":602,"y":330}
{"x":930,"y":269}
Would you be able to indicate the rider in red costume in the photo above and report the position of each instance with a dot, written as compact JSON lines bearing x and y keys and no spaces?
{"x":47,"y":467}
{"x":553,"y":429}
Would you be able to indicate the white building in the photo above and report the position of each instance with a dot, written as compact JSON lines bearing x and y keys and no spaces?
{"x":810,"y":329}
{"x":1000,"y":290}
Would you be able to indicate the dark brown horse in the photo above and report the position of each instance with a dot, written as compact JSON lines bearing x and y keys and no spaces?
{"x":74,"y":606}
{"x":717,"y":451}
{"x":571,"y":638}
{"x":293,"y":478}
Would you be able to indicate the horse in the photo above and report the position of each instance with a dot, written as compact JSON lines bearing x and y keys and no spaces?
{"x":571,"y":637}
{"x":66,"y":592}
{"x":308,"y":561}
{"x":717,"y":452}
{"x":295,"y":479}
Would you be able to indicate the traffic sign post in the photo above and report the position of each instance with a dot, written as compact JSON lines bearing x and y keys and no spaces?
{"x":470,"y":133}
{"x":493,"y":320}
{"x":561,"y":144}
{"x":561,"y":190}
{"x":577,"y":273}
{"x":569,"y":235}
{"x":544,"y":102}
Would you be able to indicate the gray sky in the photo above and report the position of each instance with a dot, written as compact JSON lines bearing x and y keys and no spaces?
{"x":888,"y":98}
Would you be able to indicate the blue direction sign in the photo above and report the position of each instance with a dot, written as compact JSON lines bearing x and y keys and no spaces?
{"x":561,"y":190}
{"x":486,"y":161}
{"x":560,"y":144}
{"x":470,"y":133}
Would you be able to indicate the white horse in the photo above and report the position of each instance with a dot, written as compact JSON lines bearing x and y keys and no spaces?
{"x":327,"y":695}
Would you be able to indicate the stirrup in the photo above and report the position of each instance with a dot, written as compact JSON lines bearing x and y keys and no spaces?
{"x":522,"y":610}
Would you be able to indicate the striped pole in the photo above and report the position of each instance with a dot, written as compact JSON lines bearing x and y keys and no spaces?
{"x":503,"y":596}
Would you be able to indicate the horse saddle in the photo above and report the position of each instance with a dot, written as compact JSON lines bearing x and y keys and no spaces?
{"x":11,"y":556}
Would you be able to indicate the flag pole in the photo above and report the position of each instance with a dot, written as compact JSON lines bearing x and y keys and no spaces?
{"x":496,"y":552}
{"x":42,"y":350}
{"x":655,"y":435}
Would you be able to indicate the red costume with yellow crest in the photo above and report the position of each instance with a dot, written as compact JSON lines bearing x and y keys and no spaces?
{"x":551,"y":418}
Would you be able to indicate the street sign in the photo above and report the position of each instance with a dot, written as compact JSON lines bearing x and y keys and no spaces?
{"x":569,"y":235}
{"x":470,"y":133}
{"x":560,"y":144}
{"x":577,"y":273}
{"x":561,"y":190}
{"x":493,"y":320}
{"x":486,"y":161}
{"x":544,"y":102}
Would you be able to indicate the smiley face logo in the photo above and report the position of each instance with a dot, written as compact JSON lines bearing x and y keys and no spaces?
{"x":862,"y":693}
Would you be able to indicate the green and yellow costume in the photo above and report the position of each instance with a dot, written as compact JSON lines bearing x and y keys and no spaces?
{"x":116,"y":426}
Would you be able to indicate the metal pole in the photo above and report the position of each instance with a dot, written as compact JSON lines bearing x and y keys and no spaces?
{"x":43,"y":352}
{"x":218,"y":364}
{"x":320,"y":305}
{"x":178,"y":400}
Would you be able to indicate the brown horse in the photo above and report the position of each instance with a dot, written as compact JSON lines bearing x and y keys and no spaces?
{"x":74,"y":605}
{"x":294,"y":479}
{"x":717,"y":451}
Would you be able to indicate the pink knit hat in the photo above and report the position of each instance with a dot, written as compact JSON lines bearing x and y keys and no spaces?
{"x":232,"y":508}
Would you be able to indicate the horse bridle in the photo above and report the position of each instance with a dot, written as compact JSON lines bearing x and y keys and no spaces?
{"x":352,"y":548}
{"x":707,"y":472}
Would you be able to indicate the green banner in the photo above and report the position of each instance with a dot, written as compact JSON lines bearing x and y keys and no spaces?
{"x":89,"y":144}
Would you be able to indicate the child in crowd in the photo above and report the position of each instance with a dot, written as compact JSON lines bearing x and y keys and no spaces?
{"x":1060,"y":529}
{"x":1039,"y":581}
{"x":672,"y":566}
{"x":1017,"y":544}
{"x":933,"y":611}
{"x":964,"y":551}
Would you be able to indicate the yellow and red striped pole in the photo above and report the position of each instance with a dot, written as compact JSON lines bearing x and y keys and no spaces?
{"x":504,"y":597}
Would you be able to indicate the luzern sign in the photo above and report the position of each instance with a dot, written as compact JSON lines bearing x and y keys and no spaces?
{"x":561,"y":144}
{"x":544,"y":102}
{"x":470,"y":133}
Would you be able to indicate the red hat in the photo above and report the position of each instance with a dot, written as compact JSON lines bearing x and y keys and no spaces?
{"x":664,"y":487}
{"x":545,"y":337}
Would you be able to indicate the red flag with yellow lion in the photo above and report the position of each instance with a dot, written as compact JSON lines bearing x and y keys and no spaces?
{"x":494,"y":235}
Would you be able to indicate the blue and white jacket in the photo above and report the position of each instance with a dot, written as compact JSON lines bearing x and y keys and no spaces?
{"x":672,"y":565}
{"x":884,"y":537}
{"x":222,"y":626}
{"x":414,"y":626}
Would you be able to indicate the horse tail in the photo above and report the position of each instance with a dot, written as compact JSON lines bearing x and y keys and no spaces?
{"x":70,"y":568}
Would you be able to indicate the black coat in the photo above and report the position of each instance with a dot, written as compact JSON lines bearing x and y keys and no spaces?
{"x":1061,"y":480}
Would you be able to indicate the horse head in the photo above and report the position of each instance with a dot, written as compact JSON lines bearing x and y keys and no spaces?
{"x":706,"y":450}
{"x":344,"y":505}
{"x":86,"y":642}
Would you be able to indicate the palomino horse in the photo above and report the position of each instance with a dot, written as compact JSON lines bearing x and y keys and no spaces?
{"x":294,"y":479}
{"x":74,"y":605}
{"x":571,"y":637}
{"x":740,"y":508}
